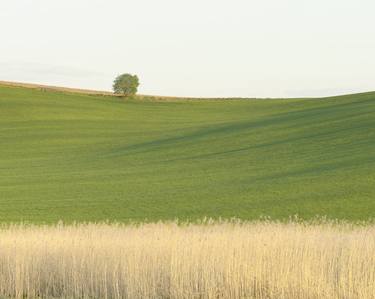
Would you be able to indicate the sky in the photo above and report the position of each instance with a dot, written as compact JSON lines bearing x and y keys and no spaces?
{"x":206,"y":48}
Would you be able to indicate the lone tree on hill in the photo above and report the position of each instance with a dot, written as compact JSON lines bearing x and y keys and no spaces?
{"x":126,"y":84}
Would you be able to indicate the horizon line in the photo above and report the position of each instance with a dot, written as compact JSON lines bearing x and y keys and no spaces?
{"x":109,"y":93}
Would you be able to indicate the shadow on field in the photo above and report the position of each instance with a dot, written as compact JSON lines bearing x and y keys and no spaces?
{"x":283,"y":121}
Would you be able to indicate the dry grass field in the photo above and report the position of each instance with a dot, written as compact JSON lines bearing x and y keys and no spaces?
{"x":69,"y":90}
{"x":208,"y":260}
{"x":43,"y":87}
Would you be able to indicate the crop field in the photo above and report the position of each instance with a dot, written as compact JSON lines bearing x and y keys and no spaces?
{"x":77,"y":157}
{"x":131,"y":179}
{"x":228,"y":259}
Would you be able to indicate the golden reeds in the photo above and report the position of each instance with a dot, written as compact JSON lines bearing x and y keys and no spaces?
{"x":209,"y":260}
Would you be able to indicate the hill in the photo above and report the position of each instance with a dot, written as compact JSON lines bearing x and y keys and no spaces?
{"x":93,"y":157}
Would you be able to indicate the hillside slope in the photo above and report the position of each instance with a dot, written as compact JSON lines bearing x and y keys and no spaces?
{"x":90,"y":158}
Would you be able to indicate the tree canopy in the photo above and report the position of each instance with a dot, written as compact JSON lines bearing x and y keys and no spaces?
{"x":126,"y":84}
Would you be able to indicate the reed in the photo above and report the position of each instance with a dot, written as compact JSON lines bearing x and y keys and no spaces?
{"x":170,"y":260}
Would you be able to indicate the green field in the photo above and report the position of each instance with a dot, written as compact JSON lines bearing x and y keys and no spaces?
{"x":90,"y":158}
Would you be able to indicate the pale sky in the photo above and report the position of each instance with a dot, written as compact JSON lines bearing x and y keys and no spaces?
{"x":208,"y":48}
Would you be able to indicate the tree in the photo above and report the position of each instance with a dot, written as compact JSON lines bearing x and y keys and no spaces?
{"x":126,"y":84}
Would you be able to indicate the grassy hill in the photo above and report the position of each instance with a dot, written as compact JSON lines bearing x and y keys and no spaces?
{"x":88,"y":158}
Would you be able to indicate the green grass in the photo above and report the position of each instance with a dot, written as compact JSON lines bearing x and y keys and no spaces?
{"x":90,"y":158}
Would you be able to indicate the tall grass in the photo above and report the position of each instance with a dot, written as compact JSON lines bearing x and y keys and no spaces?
{"x":209,"y":260}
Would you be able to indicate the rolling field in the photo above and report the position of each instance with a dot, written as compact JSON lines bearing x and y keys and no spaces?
{"x":77,"y":157}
